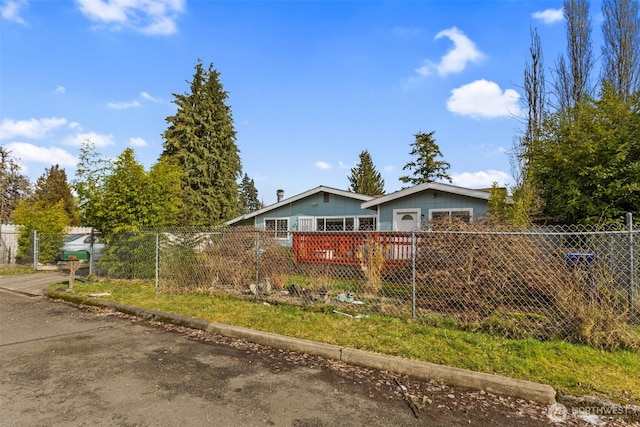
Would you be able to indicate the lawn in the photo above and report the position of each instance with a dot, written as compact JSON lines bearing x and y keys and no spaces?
{"x":570,"y":368}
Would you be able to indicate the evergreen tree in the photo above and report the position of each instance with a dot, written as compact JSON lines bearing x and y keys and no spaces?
{"x":364,"y":178}
{"x":200,"y":140}
{"x":52,"y":187}
{"x":426,"y":167}
{"x":249,"y":201}
{"x":13,"y":185}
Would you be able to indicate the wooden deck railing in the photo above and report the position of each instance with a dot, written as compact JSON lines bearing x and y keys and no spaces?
{"x":346,"y":248}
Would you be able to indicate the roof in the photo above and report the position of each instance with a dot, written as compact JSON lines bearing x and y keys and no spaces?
{"x":436,"y":186}
{"x":284,"y":202}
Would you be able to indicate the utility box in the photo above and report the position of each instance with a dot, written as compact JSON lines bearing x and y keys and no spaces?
{"x":74,"y":256}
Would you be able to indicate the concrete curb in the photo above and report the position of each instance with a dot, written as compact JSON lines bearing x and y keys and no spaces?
{"x":495,"y":384}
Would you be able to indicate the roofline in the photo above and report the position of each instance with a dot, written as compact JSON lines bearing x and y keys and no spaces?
{"x":300,"y":196}
{"x":445,"y":188}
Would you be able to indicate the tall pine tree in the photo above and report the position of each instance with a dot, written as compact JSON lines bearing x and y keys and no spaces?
{"x":364,"y":178}
{"x":200,"y":140}
{"x":426,"y":167}
{"x":249,"y":201}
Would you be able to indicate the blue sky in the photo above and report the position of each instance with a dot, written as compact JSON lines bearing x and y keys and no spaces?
{"x":311,"y":83}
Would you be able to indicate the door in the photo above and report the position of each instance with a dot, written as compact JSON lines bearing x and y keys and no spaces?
{"x":406,"y":219}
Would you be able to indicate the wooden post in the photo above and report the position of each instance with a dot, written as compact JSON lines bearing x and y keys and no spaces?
{"x":73,"y":267}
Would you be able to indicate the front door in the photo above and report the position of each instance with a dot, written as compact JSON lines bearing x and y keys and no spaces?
{"x":406,"y":219}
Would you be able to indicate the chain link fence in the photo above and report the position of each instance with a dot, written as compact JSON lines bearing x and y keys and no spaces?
{"x":570,"y":283}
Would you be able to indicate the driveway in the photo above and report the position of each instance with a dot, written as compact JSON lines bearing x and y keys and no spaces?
{"x":32,"y":284}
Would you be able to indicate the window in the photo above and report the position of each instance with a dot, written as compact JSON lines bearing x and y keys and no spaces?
{"x":349,"y":223}
{"x":279,"y":226}
{"x":367,"y":223}
{"x":464,"y":214}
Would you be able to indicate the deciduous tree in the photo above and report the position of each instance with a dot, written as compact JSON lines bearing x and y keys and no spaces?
{"x":587,"y":165}
{"x":621,"y":46}
{"x":91,"y":171}
{"x":14,"y":186}
{"x":572,"y":73}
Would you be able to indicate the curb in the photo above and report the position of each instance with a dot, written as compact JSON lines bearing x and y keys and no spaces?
{"x":495,"y":384}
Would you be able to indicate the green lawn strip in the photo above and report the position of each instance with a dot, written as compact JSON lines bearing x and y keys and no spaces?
{"x":573,"y":369}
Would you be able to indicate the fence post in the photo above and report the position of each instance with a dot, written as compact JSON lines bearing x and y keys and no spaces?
{"x":35,"y":249}
{"x":157,"y":262}
{"x":257,"y":262}
{"x":632,"y":280}
{"x":413,"y":274}
{"x":91,"y":249}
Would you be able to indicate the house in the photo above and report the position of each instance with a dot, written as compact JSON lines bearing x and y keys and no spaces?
{"x":319,"y":209}
{"x":411,"y":209}
{"x":345,"y":220}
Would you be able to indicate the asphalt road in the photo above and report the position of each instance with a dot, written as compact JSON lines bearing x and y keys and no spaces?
{"x":63,"y":365}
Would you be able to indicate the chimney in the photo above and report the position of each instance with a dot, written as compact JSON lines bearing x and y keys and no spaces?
{"x":280,"y":194}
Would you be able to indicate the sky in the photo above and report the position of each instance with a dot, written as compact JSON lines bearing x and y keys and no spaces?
{"x":311,"y":84}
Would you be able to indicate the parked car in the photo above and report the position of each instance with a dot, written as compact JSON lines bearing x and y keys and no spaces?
{"x":82,"y":242}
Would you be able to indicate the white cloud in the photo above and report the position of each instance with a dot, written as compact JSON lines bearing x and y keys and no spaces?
{"x":33,"y":128}
{"x":10,"y":10}
{"x":100,"y":140}
{"x":123,"y":105}
{"x":389,"y":168}
{"x":322,"y":165}
{"x":549,"y":16}
{"x":33,"y":153}
{"x":152,"y":17}
{"x":59,"y":90}
{"x":484,"y":99}
{"x":145,"y":95}
{"x":463,"y":52}
{"x":138,"y":142}
{"x":481,"y":179}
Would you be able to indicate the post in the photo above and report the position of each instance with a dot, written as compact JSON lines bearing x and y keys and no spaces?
{"x":257,"y":262}
{"x":157,"y":262}
{"x":73,"y":266}
{"x":413,"y":274}
{"x":35,"y":250}
{"x":91,"y":237}
{"x":632,"y":273}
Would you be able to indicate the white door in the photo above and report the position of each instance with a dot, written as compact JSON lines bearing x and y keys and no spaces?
{"x":406,"y":219}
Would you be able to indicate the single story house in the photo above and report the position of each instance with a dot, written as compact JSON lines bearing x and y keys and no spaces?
{"x":319,"y":209}
{"x":411,"y":209}
{"x":342,"y":217}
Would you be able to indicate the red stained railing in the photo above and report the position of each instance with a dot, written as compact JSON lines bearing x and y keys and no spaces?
{"x":346,"y":248}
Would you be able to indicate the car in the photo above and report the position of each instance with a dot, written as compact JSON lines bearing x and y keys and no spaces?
{"x":82,"y":242}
